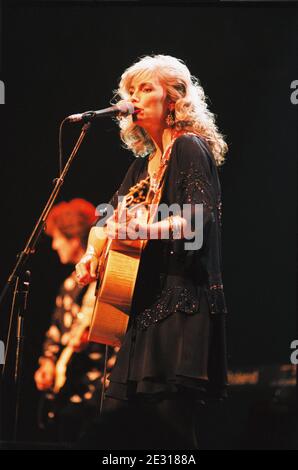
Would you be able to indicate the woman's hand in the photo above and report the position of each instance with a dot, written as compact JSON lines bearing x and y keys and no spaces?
{"x":128,"y":227}
{"x":86,"y":269}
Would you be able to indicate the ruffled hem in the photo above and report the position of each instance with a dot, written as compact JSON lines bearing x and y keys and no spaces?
{"x":153,"y":390}
{"x":181,"y":354}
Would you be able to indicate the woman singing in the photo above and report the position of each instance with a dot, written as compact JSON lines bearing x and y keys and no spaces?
{"x":173,"y":354}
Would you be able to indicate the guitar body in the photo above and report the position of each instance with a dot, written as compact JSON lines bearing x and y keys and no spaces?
{"x":117,"y":283}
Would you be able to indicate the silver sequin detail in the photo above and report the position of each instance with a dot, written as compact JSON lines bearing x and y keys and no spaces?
{"x":171,"y":300}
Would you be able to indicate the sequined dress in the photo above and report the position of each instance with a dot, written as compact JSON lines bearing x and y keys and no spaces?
{"x":175,"y":342}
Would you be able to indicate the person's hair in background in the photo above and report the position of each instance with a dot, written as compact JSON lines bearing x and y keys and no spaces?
{"x":73,"y":219}
{"x":191,"y":112}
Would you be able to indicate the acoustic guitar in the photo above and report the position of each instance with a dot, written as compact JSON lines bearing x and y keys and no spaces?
{"x":120,"y":260}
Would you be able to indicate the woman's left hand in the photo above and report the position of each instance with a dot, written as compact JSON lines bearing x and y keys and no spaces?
{"x":127,"y":228}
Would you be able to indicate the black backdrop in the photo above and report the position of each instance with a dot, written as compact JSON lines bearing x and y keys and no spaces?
{"x":58,"y":59}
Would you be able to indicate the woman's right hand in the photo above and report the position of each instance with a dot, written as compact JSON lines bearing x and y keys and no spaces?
{"x":86,"y":269}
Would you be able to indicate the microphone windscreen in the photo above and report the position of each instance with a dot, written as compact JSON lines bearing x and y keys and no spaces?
{"x":125,"y":107}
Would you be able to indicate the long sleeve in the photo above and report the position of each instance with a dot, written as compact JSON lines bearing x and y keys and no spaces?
{"x":193,"y":179}
{"x":195,"y":185}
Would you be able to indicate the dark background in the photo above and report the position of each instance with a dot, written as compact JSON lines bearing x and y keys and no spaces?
{"x":61,"y":59}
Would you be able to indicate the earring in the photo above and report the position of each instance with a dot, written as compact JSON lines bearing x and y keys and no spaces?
{"x":170,"y":119}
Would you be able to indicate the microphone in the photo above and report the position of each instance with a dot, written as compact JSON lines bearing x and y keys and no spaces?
{"x":123,"y":108}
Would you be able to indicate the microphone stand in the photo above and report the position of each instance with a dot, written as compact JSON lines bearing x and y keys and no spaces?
{"x":22,"y":259}
{"x":22,"y":302}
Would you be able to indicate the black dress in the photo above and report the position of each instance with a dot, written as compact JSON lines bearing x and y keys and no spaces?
{"x":175,"y":342}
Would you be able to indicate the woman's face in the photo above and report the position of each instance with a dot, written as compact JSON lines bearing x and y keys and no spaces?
{"x":148,"y":95}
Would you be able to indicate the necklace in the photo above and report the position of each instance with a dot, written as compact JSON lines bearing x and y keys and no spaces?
{"x":151,"y":173}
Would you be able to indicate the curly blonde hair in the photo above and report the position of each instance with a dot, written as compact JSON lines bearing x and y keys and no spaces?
{"x":191,"y":112}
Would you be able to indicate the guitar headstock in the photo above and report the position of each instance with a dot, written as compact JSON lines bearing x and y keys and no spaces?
{"x":138,"y":193}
